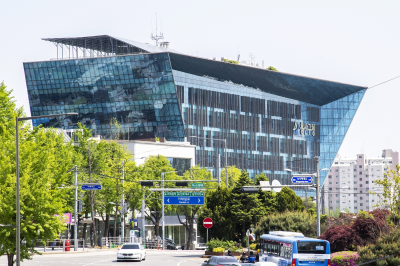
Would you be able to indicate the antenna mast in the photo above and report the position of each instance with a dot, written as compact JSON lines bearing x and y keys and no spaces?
{"x":157,"y":37}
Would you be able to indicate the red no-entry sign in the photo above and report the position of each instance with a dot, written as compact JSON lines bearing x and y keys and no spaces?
{"x":207,"y":222}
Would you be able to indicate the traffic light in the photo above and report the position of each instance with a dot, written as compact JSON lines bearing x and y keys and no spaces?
{"x":249,"y":190}
{"x":79,"y":218}
{"x":181,"y":184}
{"x":79,"y":206}
{"x":146,"y":183}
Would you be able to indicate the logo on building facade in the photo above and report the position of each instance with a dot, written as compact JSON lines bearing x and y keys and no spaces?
{"x":304,"y":128}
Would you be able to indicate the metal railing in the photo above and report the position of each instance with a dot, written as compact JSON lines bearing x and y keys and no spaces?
{"x":59,"y":245}
{"x":113,"y":242}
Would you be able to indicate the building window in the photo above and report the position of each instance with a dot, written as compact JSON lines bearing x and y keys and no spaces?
{"x":355,"y":170}
{"x":336,"y":162}
{"x":330,"y":176}
{"x":355,"y":182}
{"x":337,"y":201}
{"x":361,"y":204}
{"x":330,"y":188}
{"x":337,"y":195}
{"x":336,"y":170}
{"x":360,"y":179}
{"x":355,"y":201}
{"x":337,"y":183}
{"x":360,"y":157}
{"x":373,"y":200}
{"x":330,"y":183}
{"x":366,"y":182}
{"x":337,"y":176}
{"x":360,"y":173}
{"x":361,"y":198}
{"x":360,"y":166}
{"x":355,"y":208}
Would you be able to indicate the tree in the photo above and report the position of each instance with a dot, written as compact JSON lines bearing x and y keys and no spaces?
{"x":190,"y":211}
{"x":272,"y":68}
{"x":230,"y":61}
{"x":390,"y":198}
{"x":152,"y":169}
{"x":43,"y":159}
{"x":267,"y":198}
{"x":233,"y":176}
{"x":386,"y":245}
{"x":293,"y":221}
{"x":218,"y":208}
{"x":246,"y":208}
{"x":341,"y":238}
{"x":287,"y":200}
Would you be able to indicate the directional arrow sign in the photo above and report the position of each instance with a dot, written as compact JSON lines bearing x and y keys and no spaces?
{"x":91,"y":187}
{"x":184,"y":200}
{"x":302,"y":179}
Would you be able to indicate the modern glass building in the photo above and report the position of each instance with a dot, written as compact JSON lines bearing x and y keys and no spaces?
{"x":271,"y":121}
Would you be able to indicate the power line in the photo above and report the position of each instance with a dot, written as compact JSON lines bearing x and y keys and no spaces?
{"x":383,"y":82}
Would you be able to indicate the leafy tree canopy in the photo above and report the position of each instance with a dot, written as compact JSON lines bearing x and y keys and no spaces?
{"x":272,"y":68}
{"x":287,"y":200}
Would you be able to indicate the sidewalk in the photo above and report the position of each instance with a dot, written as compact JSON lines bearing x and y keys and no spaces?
{"x":49,"y":251}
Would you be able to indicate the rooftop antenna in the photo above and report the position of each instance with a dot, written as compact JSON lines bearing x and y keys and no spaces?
{"x":157,"y":37}
{"x":252,"y":58}
{"x":238,"y":54}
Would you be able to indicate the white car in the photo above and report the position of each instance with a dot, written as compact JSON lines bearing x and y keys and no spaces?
{"x":131,"y":251}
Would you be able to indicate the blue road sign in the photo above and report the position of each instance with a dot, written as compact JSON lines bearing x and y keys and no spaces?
{"x":182,"y":200}
{"x":91,"y":187}
{"x":302,"y":179}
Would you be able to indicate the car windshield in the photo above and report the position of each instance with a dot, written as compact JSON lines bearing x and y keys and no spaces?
{"x":226,"y":260}
{"x":311,"y":247}
{"x":130,"y":247}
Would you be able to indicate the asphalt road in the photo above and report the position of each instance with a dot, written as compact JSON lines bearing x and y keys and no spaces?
{"x":101,"y":258}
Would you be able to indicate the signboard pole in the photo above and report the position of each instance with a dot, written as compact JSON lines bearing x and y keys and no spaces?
{"x":123,"y":205}
{"x":207,"y":236}
{"x":162,"y":198}
{"x":75,"y":211}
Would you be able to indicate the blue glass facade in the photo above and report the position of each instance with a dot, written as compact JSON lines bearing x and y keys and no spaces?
{"x":270,"y":120}
{"x":137,"y":90}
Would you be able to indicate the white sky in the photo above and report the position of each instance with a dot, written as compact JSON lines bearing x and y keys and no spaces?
{"x":354,"y":42}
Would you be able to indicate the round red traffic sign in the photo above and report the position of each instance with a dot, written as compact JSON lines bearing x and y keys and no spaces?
{"x":207,"y":222}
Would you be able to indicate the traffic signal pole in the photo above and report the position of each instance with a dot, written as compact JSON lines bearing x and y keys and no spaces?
{"x":76,"y":211}
{"x":123,"y":205}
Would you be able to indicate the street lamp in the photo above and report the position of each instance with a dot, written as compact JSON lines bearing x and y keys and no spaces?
{"x":318,"y":190}
{"x":226,"y":158}
{"x":17,"y":119}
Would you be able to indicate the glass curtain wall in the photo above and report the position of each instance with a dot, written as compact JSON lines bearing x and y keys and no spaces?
{"x":135,"y":91}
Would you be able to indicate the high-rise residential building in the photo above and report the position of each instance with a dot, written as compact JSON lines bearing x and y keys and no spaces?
{"x":270,"y":120}
{"x":350,"y":181}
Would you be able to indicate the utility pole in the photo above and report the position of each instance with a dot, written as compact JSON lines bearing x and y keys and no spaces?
{"x":143,"y":219}
{"x":226,"y":167}
{"x":123,"y":204}
{"x":76,"y":211}
{"x":318,"y":214}
{"x":163,"y":218}
{"x":219,"y":169}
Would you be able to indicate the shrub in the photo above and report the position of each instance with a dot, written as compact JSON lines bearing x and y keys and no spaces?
{"x":293,"y":221}
{"x":344,"y":258}
{"x":341,"y":238}
{"x":253,"y":246}
{"x":216,"y":243}
{"x":386,"y":245}
{"x":219,"y":249}
{"x":370,"y":225}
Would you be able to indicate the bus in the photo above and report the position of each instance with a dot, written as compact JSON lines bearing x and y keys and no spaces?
{"x":293,"y":249}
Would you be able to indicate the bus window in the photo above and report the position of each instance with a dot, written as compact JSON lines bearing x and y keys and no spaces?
{"x":311,"y":247}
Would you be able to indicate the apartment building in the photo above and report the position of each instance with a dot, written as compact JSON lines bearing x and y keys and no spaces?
{"x":350,"y":181}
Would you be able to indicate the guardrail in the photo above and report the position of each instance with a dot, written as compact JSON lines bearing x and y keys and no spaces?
{"x":113,"y":242}
{"x":59,"y":245}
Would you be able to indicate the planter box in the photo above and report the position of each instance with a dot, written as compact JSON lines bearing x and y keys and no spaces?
{"x":210,"y":253}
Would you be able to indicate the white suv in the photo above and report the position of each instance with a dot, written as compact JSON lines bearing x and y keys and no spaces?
{"x":131,"y":251}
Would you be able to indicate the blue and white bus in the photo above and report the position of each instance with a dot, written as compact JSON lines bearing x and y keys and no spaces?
{"x":293,"y":249}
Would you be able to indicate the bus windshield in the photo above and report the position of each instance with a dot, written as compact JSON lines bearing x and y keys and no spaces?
{"x":311,"y":247}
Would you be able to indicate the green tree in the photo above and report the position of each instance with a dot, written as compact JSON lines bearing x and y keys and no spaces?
{"x":233,"y":176}
{"x":294,"y":221}
{"x":390,"y":198}
{"x":152,"y":169}
{"x":246,"y":208}
{"x":267,"y":198}
{"x":115,"y":128}
{"x":287,"y":200}
{"x":41,"y":170}
{"x":272,"y":68}
{"x":190,"y":211}
{"x":218,"y":208}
